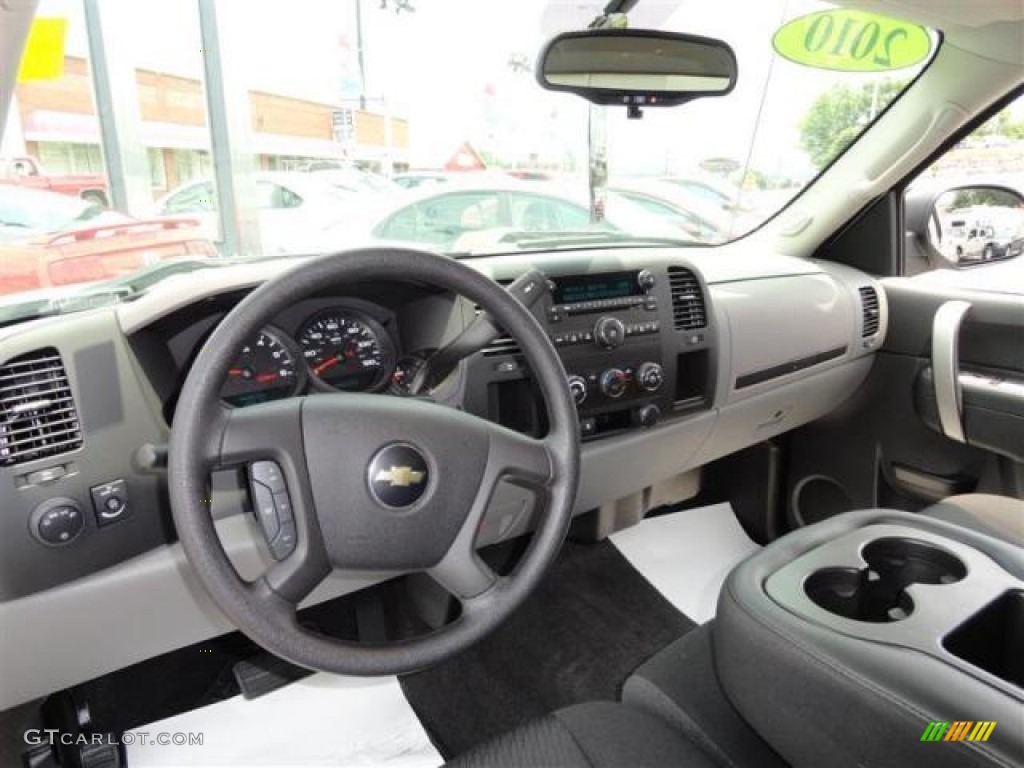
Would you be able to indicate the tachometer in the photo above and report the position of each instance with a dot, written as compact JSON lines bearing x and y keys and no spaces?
{"x":346,"y":350}
{"x":266,"y":369}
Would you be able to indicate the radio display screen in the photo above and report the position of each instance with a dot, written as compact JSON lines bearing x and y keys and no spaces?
{"x":597,"y":287}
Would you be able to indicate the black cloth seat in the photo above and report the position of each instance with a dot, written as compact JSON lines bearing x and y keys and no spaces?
{"x":600,"y":734}
{"x":998,"y":516}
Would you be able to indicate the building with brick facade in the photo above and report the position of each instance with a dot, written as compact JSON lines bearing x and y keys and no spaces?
{"x":58,"y":125}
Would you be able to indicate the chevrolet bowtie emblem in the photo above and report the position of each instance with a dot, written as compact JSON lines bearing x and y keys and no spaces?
{"x":399,"y":477}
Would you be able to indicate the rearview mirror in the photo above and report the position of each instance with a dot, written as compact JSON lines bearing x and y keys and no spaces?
{"x":637,"y":67}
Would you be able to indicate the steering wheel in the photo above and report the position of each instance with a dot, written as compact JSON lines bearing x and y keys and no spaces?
{"x":373,"y":483}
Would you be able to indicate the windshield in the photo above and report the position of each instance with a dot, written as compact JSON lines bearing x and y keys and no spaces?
{"x":289,"y":130}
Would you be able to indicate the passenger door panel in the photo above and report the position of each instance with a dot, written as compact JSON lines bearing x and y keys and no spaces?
{"x":886,"y":446}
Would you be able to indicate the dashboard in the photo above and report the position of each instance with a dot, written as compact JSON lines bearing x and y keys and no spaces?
{"x":675,"y":358}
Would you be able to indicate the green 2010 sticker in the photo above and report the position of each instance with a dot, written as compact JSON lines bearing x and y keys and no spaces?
{"x":852,"y":41}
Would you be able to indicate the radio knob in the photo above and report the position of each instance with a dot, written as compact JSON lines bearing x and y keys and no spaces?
{"x":646,"y":280}
{"x":613,"y":383}
{"x":609,"y":332}
{"x":650,"y":376}
{"x":578,"y":389}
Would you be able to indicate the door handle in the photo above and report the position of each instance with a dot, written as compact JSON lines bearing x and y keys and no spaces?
{"x":946,"y":367}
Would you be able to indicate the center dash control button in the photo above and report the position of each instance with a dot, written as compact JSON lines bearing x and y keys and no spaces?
{"x":110,"y":502}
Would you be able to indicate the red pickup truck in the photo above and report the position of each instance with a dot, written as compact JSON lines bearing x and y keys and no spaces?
{"x":26,"y":172}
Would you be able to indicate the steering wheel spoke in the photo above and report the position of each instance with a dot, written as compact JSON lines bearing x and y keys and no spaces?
{"x":518,"y":458}
{"x":297,"y":575}
{"x":464,"y":574}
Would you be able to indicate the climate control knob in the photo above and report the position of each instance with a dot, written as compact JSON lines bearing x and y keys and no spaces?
{"x":650,"y":377}
{"x":609,"y":332}
{"x":613,"y":383}
{"x":578,"y":389}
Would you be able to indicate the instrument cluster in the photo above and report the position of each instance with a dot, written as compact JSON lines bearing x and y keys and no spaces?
{"x":339,"y":349}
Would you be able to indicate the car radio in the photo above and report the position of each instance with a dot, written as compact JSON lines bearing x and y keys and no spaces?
{"x":607,"y":330}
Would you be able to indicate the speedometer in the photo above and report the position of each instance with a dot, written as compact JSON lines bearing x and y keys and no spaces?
{"x":346,"y":350}
{"x":267,"y":368}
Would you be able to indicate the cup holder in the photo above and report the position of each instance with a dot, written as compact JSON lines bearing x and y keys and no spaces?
{"x":877,"y":593}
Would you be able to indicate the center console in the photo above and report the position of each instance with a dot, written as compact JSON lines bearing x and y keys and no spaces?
{"x":873,"y":636}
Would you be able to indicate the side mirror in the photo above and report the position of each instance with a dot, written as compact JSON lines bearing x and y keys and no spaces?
{"x":637,"y":67}
{"x":966,"y":225}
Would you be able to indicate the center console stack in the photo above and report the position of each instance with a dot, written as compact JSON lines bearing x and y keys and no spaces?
{"x":607,"y":329}
{"x":874,"y":634}
{"x":637,"y":344}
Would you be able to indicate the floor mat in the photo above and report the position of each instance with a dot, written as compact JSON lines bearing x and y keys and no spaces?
{"x":321,"y":720}
{"x":687,"y":555}
{"x":591,"y":622}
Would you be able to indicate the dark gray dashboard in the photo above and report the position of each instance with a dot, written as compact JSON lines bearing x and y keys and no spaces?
{"x":776,"y":342}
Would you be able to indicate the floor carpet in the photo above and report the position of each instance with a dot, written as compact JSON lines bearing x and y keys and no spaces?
{"x":591,"y":622}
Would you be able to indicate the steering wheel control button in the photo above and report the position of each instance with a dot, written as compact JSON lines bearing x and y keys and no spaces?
{"x":57,"y":522}
{"x":110,"y":502}
{"x":398,"y":476}
{"x":266,"y":510}
{"x":273,"y":507}
{"x":284,"y":543}
{"x":269,"y":474}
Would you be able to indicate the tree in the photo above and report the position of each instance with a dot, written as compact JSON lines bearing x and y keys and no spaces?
{"x":838,"y":116}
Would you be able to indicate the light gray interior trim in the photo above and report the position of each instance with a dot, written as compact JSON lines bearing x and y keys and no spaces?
{"x":122,"y":615}
{"x":946,"y":367}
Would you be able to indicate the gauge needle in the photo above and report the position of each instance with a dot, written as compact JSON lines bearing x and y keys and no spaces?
{"x":326,"y":365}
{"x":236,"y":372}
{"x":264,"y":378}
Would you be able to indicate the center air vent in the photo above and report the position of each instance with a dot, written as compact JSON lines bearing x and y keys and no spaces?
{"x":503,"y":345}
{"x":688,"y":310}
{"x":870,"y":308}
{"x":37,"y":413}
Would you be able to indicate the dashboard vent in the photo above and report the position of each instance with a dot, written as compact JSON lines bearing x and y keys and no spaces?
{"x":37,"y":413}
{"x":872,"y":314}
{"x":501,"y":346}
{"x":688,"y":310}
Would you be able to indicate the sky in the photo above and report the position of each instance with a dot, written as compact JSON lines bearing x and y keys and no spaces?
{"x":445,"y":68}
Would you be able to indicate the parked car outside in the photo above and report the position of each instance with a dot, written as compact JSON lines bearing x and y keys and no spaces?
{"x":293,"y":208}
{"x":27,"y":172}
{"x":414,"y":179}
{"x":355,"y":180}
{"x":26,"y":212}
{"x":90,"y":254}
{"x":467,"y":216}
{"x":694,"y":216}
